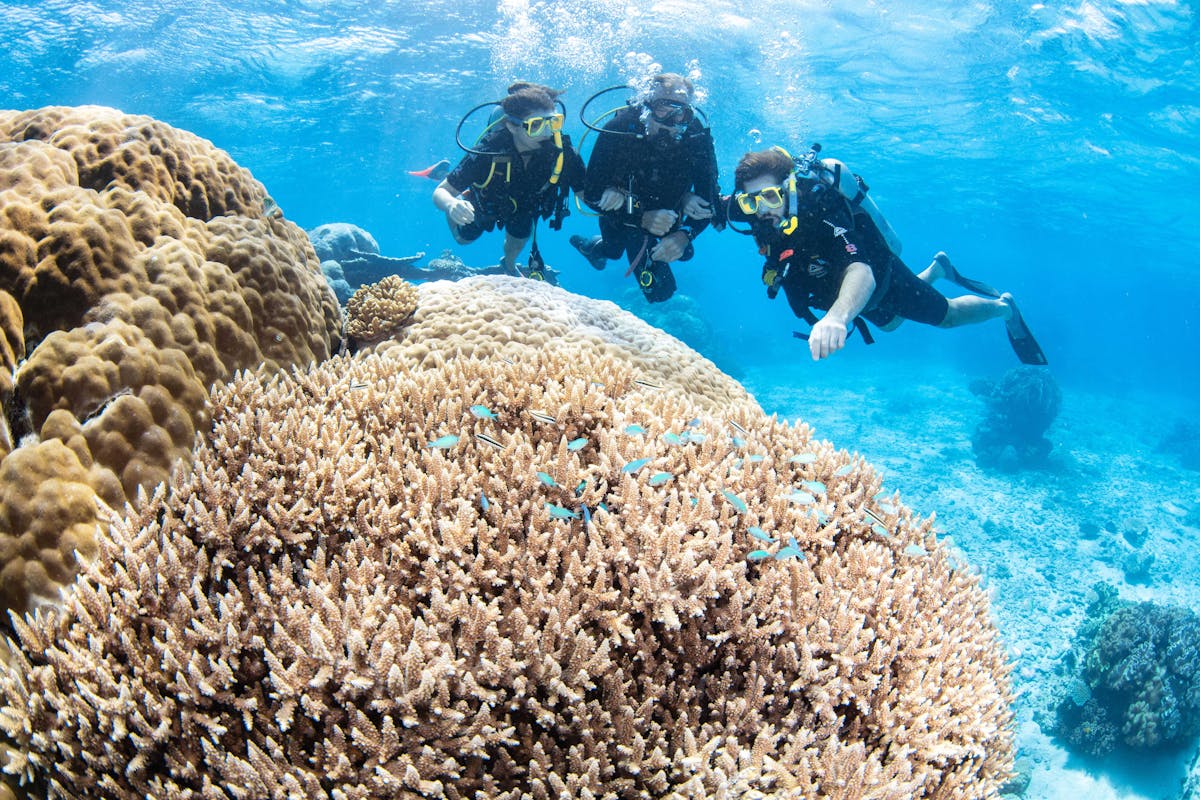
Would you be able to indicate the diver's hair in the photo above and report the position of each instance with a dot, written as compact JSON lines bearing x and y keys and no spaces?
{"x":524,"y":98}
{"x":671,"y":83}
{"x":773,"y":162}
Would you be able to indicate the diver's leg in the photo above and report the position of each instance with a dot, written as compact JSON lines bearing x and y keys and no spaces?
{"x":512,"y":248}
{"x":970,"y":310}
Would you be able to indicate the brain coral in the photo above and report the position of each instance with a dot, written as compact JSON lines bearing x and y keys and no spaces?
{"x":504,"y":318}
{"x":511,"y":576}
{"x":138,"y":265}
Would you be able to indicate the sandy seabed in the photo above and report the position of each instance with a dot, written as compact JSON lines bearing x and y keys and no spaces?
{"x":1041,"y":537}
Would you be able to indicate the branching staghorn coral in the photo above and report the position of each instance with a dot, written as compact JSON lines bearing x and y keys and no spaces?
{"x":464,"y":581}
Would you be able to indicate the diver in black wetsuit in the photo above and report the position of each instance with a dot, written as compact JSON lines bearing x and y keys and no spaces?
{"x":826,"y":251}
{"x":653,"y":177}
{"x":518,"y":172}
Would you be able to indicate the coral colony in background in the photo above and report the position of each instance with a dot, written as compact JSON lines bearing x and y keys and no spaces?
{"x":519,"y":544}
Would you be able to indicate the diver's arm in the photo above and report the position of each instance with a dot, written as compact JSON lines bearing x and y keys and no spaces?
{"x":829,"y":334}
{"x":448,"y":200}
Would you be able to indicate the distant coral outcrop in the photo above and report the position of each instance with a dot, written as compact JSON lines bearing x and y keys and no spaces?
{"x":138,"y":265}
{"x":1020,"y":407}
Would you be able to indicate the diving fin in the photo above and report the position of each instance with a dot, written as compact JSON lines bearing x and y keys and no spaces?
{"x":1020,"y":337}
{"x":970,"y":284}
{"x":434,"y":172}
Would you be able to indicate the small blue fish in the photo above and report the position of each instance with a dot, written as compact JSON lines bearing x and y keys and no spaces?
{"x":803,"y":498}
{"x":754,"y":459}
{"x":558,"y":512}
{"x":758,"y":555}
{"x":672,"y":438}
{"x":759,"y":533}
{"x":445,"y":442}
{"x":483,"y":412}
{"x":634,"y":430}
{"x":577,"y":444}
{"x":483,"y":501}
{"x":915,"y":550}
{"x":693,"y":423}
{"x":739,"y":441}
{"x":660,"y":478}
{"x":803,"y":458}
{"x":602,"y":507}
{"x":738,"y":502}
{"x":820,"y":515}
{"x":579,"y":489}
{"x":790,"y":552}
{"x":587,"y":516}
{"x":546,"y":479}
{"x":882,"y":531}
{"x":843,"y":471}
{"x":697,"y":437}
{"x":634,"y":466}
{"x":816,"y":487}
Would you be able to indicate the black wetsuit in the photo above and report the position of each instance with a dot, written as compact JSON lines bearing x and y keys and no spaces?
{"x":657,"y":173}
{"x":509,"y":193}
{"x":810,"y":263}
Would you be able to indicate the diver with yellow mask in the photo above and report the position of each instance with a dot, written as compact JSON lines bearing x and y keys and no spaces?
{"x":828,"y":247}
{"x":519,"y":171}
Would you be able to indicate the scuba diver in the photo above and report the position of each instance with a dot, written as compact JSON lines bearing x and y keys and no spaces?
{"x":519,"y":171}
{"x":828,"y":247}
{"x":652,"y":175}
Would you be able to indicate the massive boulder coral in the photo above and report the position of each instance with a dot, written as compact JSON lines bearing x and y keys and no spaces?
{"x":514,"y":573}
{"x":138,"y":265}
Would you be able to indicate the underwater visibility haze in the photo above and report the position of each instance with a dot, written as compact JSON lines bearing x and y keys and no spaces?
{"x":1052,"y":149}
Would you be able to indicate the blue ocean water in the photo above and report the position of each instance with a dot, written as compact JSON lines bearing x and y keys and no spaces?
{"x":1053,"y":149}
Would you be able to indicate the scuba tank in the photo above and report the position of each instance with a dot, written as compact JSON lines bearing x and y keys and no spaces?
{"x":836,"y":175}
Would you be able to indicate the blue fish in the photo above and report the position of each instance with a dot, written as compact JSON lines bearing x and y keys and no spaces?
{"x":579,"y":489}
{"x":759,"y":533}
{"x":634,"y":430}
{"x":816,"y":487}
{"x":483,"y":501}
{"x":843,"y":471}
{"x":915,"y":550}
{"x":577,"y":444}
{"x":882,"y":531}
{"x":754,"y":459}
{"x":790,"y":552}
{"x":803,"y":498}
{"x":694,"y":423}
{"x":672,"y":438}
{"x":634,"y":466}
{"x":483,"y":412}
{"x":444,"y":442}
{"x":546,"y":479}
{"x":558,"y":512}
{"x":738,"y":502}
{"x":739,"y":441}
{"x":602,"y":507}
{"x":697,"y":437}
{"x":758,"y":555}
{"x":587,"y":516}
{"x":660,"y":478}
{"x":803,"y":458}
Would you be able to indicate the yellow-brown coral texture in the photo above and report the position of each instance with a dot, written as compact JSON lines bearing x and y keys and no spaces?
{"x":464,"y":582}
{"x":137,"y":267}
{"x":380,"y":309}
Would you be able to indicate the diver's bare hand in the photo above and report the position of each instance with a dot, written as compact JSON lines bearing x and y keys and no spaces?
{"x":827,"y":337}
{"x":659,"y":221}
{"x":696,"y":207}
{"x":461,"y":212}
{"x":611,"y":200}
{"x":670,"y":247}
